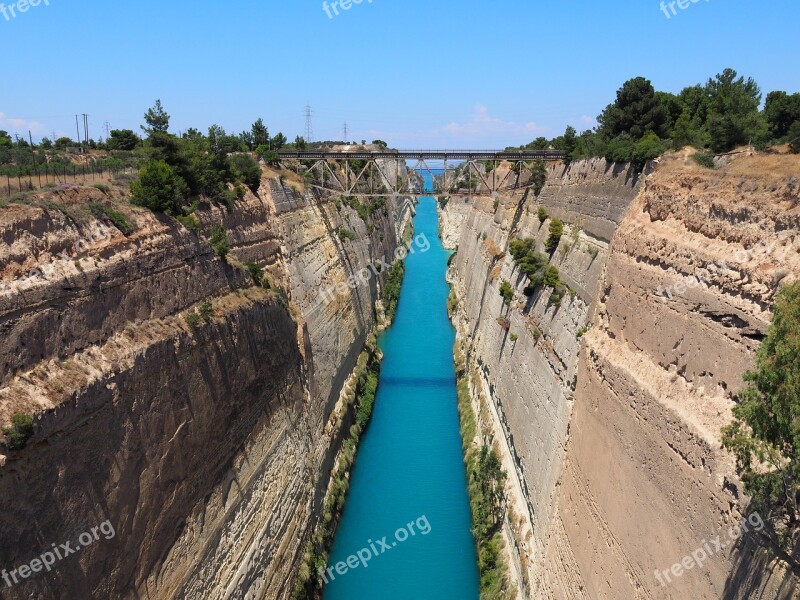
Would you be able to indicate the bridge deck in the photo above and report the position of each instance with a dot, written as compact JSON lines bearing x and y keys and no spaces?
{"x":424,"y":155}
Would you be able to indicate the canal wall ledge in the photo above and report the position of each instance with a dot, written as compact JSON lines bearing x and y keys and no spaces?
{"x":608,"y":408}
{"x":209,"y":447}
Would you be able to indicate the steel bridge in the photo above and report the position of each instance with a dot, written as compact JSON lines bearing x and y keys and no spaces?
{"x":464,"y":173}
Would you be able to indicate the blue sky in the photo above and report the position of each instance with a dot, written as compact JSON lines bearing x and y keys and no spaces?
{"x":474,"y":73}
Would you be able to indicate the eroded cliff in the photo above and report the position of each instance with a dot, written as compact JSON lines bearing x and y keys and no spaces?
{"x":608,"y":408}
{"x":206,"y":443}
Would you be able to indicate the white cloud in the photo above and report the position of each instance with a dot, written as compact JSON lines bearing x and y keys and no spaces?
{"x":483,"y":125}
{"x":21,"y":126}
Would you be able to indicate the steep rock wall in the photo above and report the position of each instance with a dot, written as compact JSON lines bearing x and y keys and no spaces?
{"x":614,"y":437}
{"x":528,"y":382}
{"x":208,"y":449}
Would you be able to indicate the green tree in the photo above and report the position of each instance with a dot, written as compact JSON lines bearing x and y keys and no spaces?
{"x":260,"y":134}
{"x":159,"y":188}
{"x":300,"y":143}
{"x":6,"y":148}
{"x":636,"y":111}
{"x":556,"y":231}
{"x":646,"y":149}
{"x":246,"y":140}
{"x":279,"y":141}
{"x":538,"y":177}
{"x":570,"y":143}
{"x":541,"y":213}
{"x":219,"y":242}
{"x":246,"y":170}
{"x":63,"y":143}
{"x":506,"y":291}
{"x":122,"y":139}
{"x":673,"y":107}
{"x":690,"y":127}
{"x":765,"y":435}
{"x":781,"y":111}
{"x":733,"y":116}
{"x":540,"y":143}
{"x":620,"y":149}
{"x":156,"y":118}
{"x":794,"y":137}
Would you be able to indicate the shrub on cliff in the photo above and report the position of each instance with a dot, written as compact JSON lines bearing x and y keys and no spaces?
{"x":646,"y":149}
{"x":159,"y":188}
{"x":542,"y":214}
{"x":556,"y":231}
{"x":538,"y":177}
{"x":704,"y":159}
{"x":507,"y":292}
{"x":765,"y":435}
{"x":21,"y":430}
{"x":116,"y":218}
{"x":219,"y":242}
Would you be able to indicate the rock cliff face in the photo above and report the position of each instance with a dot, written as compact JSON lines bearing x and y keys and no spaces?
{"x":607,"y":409}
{"x":207,"y":448}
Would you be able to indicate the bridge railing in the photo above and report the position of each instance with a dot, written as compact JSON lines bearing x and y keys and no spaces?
{"x":423,"y":155}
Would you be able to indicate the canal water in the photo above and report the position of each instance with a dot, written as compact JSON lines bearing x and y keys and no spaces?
{"x":406,"y":524}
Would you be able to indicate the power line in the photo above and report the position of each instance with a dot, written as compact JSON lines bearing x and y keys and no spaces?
{"x":309,"y":125}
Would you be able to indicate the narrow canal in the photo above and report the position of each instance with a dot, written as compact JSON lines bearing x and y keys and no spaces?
{"x":406,"y":524}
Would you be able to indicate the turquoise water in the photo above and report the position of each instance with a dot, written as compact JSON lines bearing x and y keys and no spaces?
{"x":410,"y":468}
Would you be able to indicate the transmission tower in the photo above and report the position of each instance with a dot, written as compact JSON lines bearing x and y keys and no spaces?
{"x":107,"y":127}
{"x":345,"y":133}
{"x":309,"y":125}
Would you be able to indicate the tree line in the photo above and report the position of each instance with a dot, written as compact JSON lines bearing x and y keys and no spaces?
{"x":717,"y":116}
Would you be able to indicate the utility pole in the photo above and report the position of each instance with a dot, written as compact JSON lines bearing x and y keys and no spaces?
{"x":309,"y":125}
{"x":86,"y":129}
{"x":78,"y":131}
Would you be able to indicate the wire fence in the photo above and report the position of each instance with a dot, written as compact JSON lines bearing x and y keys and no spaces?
{"x":49,"y":176}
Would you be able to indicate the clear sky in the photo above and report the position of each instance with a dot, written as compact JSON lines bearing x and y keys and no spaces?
{"x":473,"y":73}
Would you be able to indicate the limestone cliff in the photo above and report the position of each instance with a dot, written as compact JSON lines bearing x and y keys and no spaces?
{"x":207,"y":446}
{"x":608,"y":408}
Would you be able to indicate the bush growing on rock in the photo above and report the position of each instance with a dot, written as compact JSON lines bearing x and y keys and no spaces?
{"x":507,"y":292}
{"x":21,"y":430}
{"x":556,"y":231}
{"x":159,"y":188}
{"x":219,"y":242}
